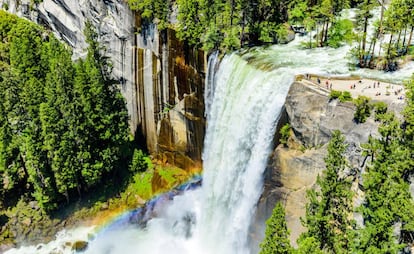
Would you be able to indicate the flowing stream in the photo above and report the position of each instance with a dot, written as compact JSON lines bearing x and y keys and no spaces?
{"x":244,"y":97}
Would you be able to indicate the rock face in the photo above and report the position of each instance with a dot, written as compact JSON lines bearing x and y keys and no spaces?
{"x":170,"y":86}
{"x":293,"y":170}
{"x":155,"y":70}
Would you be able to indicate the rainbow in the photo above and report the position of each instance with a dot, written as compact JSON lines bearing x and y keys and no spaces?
{"x":120,"y":218}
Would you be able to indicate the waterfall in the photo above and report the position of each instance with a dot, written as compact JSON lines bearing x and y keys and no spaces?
{"x":245,"y":105}
{"x":241,"y":125}
{"x":244,"y":95}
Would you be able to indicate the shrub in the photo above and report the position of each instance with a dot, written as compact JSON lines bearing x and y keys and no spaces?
{"x":140,"y":162}
{"x":363,"y":109}
{"x":345,"y":96}
{"x":334,"y":94}
{"x":380,"y":109}
{"x":342,"y":96}
{"x":284,"y":134}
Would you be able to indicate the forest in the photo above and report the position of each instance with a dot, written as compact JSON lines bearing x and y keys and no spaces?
{"x":63,"y":124}
{"x":234,"y":24}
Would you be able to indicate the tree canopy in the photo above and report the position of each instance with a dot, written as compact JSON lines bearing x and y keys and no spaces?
{"x":63,"y":124}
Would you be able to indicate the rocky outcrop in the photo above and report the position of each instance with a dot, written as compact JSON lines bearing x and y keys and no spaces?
{"x":156,"y":72}
{"x":293,"y":170}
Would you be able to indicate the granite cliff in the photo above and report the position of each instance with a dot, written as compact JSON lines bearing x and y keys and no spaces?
{"x":292,"y":170}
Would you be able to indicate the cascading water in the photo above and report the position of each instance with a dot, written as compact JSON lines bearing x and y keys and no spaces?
{"x":236,"y":150}
{"x":244,"y":97}
{"x":216,"y":218}
{"x":213,"y":61}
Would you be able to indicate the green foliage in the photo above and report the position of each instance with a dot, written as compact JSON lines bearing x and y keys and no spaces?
{"x":345,"y":96}
{"x":380,"y":108}
{"x":329,"y":209}
{"x":229,"y":25}
{"x":142,"y":184}
{"x":342,"y":96}
{"x":152,"y":10}
{"x":387,"y":197}
{"x":63,"y":125}
{"x":276,"y":239}
{"x":284,"y":134}
{"x":139,"y":162}
{"x":214,"y":24}
{"x":340,"y":32}
{"x":334,"y":94}
{"x":308,"y":245}
{"x":363,"y":109}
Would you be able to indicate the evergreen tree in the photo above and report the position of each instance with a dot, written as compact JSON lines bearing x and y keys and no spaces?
{"x":63,"y":126}
{"x":329,"y":209}
{"x":102,"y":130}
{"x":387,"y":197}
{"x":277,"y":235}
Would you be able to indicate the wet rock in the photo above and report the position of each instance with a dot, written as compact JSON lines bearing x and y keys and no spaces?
{"x":80,"y":246}
{"x":181,"y":133}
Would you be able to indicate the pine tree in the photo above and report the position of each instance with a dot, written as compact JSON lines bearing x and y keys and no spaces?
{"x":329,"y":209}
{"x":387,"y":197}
{"x":276,"y":239}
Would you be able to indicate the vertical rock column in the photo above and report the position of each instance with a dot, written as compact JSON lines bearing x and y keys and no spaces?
{"x":170,"y":104}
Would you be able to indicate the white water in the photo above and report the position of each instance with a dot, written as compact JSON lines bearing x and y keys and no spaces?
{"x":243,"y":104}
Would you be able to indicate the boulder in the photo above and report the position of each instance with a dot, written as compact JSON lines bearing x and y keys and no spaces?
{"x":79,"y":246}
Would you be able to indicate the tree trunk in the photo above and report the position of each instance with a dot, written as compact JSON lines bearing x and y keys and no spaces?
{"x":322,"y":35}
{"x":409,"y":39}
{"x":317,"y":34}
{"x":380,"y":27}
{"x":310,"y":39}
{"x":232,"y":13}
{"x":325,"y":40}
{"x":397,"y":45}
{"x":364,"y":41}
{"x":405,"y":37}
{"x":389,"y":49}
{"x":242,"y":32}
{"x":372,"y":50}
